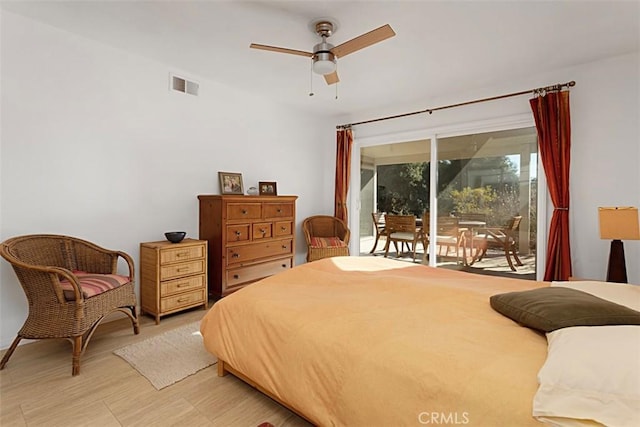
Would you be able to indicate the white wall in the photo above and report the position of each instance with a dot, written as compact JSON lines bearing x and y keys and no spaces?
{"x":94,"y":145}
{"x":605,"y":153}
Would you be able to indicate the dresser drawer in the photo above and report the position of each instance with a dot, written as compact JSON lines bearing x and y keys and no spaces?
{"x":244,"y":211}
{"x":238,"y":233}
{"x":262,"y":230}
{"x":195,"y":297}
{"x":278,"y":210}
{"x":184,"y":269}
{"x":283,"y":228}
{"x":238,"y":276}
{"x":181,"y":254}
{"x":171,"y":287}
{"x":247,"y":253}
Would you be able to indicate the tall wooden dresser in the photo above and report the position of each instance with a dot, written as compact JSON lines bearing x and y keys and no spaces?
{"x":250,"y":237}
{"x":173,"y":276}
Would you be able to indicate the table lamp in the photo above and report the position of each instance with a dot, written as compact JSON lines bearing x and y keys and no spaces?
{"x":618,"y":223}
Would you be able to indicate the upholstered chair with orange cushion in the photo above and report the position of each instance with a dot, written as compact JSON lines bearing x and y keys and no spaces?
{"x":326,"y":236}
{"x":71,"y":285}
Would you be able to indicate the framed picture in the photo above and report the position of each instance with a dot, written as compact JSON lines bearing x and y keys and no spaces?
{"x":267,"y":188}
{"x":231,"y":183}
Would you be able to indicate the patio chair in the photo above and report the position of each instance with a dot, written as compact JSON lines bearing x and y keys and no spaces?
{"x":404,"y":230}
{"x":71,"y":285}
{"x":449,"y":235}
{"x":326,"y":236}
{"x":502,"y":238}
{"x":378,"y":223}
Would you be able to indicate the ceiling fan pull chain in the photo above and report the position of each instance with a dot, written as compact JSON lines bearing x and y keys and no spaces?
{"x":337,"y":83}
{"x":311,"y":79}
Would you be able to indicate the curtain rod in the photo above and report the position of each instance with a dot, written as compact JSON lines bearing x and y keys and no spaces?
{"x":555,"y":87}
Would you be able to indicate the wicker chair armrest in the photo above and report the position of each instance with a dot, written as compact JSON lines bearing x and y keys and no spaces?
{"x":307,"y":236}
{"x":129,"y":260}
{"x":77,"y":290}
{"x":346,"y":235}
{"x":54,"y":275}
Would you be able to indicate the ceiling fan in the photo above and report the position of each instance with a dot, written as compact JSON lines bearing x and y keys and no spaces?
{"x":324,"y":54}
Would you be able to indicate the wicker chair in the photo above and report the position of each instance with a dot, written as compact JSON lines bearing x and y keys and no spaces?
{"x":71,"y":286}
{"x":326,"y":236}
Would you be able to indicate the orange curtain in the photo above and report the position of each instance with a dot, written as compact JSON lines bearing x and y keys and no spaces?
{"x":343,"y":168}
{"x":553,"y":123}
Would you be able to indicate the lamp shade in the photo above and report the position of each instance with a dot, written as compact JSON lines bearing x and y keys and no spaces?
{"x":619,"y":223}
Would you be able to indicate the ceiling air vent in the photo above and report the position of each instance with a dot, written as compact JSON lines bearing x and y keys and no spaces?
{"x":183,"y":85}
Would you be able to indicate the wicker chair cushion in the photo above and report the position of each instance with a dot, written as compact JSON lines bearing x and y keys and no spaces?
{"x":327,"y":242}
{"x":93,"y":284}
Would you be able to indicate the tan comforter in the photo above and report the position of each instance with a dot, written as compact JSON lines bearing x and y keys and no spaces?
{"x":367,"y":341}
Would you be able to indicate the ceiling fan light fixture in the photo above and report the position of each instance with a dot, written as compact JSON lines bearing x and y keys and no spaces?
{"x":324,"y":61}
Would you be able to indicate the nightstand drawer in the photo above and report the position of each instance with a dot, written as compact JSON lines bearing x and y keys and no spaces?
{"x":185,"y":253}
{"x":182,"y":300}
{"x":181,"y":285}
{"x":184,"y":269}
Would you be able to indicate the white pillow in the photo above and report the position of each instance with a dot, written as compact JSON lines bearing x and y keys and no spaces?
{"x":592,"y":374}
{"x":620,"y":293}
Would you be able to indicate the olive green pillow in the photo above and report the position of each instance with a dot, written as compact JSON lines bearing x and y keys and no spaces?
{"x":548,"y":309}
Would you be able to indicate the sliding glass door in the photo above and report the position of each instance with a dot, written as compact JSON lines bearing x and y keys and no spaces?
{"x":489,"y":181}
{"x":394,"y":178}
{"x":484,"y":181}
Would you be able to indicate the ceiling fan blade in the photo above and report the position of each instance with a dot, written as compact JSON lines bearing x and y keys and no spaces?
{"x":332,"y":78}
{"x":364,"y":40}
{"x":281,"y":50}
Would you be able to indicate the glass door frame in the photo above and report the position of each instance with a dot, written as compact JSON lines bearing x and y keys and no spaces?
{"x":492,"y":125}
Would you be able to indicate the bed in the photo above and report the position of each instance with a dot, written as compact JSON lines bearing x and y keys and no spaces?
{"x":368,"y":341}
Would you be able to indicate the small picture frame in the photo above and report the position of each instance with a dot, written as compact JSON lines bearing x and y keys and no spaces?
{"x":268,"y":188}
{"x":231,"y":183}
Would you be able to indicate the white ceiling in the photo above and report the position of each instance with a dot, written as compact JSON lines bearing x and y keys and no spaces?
{"x":440,"y":46}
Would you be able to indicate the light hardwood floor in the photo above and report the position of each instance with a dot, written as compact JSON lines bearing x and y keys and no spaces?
{"x":37,"y":389}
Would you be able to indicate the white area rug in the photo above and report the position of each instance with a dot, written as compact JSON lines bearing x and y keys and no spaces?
{"x":169,"y":357}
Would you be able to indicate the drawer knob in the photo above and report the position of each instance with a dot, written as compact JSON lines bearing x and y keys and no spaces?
{"x":238,"y":233}
{"x":284,"y":265}
{"x":284,"y":247}
{"x":182,"y":285}
{"x":279,"y":210}
{"x":263,"y":231}
{"x":283,"y":228}
{"x":235,"y":276}
{"x":180,"y":254}
{"x":180,"y":270}
{"x":235,"y":255}
{"x":244,"y":211}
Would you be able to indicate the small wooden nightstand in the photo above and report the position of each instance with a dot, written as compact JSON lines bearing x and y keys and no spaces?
{"x":173,"y":276}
